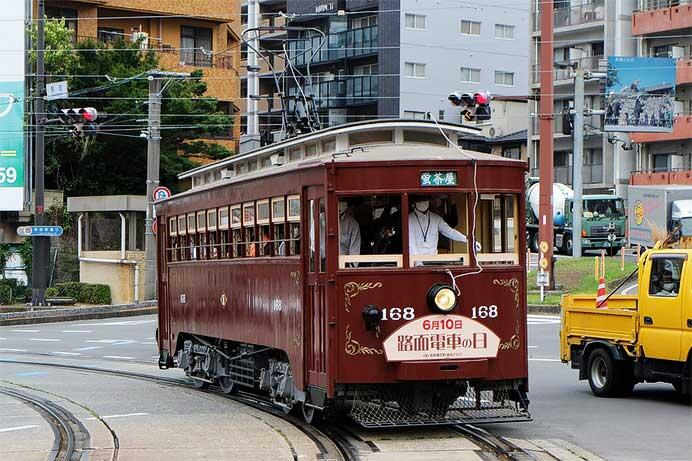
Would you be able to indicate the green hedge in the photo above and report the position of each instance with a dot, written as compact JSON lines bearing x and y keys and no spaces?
{"x":89,"y":293}
{"x":5,"y":294}
{"x":10,"y":291}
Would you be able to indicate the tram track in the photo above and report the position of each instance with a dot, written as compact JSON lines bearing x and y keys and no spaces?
{"x":333,"y":441}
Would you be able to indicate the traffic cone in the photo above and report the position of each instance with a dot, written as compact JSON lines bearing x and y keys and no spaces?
{"x":601,"y":294}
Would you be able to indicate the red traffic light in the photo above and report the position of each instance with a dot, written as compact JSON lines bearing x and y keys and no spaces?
{"x":89,"y":114}
{"x":482,"y":97}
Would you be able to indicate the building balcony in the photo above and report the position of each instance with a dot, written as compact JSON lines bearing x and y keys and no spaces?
{"x":339,"y":94}
{"x":347,"y":44}
{"x":273,"y":21}
{"x":682,"y":130}
{"x":278,"y":65}
{"x":585,"y":14}
{"x":664,"y":16}
{"x":683,"y":71}
{"x":563,"y":70}
{"x":675,"y":177}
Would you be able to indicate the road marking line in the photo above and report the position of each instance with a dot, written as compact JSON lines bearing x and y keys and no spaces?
{"x":127,"y":415}
{"x":76,"y":331}
{"x":545,"y":360}
{"x":123,"y":323}
{"x":31,"y":373}
{"x":89,"y":348}
{"x":3,"y":338}
{"x":25,"y":331}
{"x":48,"y":340}
{"x":626,"y":290}
{"x":18,"y":428}
{"x":113,"y":342}
{"x":533,"y":347}
{"x":117,"y":357}
{"x":12,"y":350}
{"x":65,"y":353}
{"x":148,"y":342}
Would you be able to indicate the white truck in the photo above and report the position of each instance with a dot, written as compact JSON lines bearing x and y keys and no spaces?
{"x":658,"y":209}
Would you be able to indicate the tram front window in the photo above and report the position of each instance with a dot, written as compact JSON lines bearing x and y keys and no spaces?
{"x":370,"y":231}
{"x":438,"y":229}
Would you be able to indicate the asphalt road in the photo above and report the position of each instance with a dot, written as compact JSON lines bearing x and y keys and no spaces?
{"x":652,"y":424}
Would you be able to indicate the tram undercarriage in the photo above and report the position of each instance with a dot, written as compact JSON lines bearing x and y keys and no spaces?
{"x":263,"y":370}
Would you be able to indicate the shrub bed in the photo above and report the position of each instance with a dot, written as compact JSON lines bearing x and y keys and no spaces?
{"x":89,"y":293}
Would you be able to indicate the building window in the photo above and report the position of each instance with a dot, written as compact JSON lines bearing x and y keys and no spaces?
{"x":661,"y":162}
{"x":68,"y":15}
{"x":366,"y":21}
{"x":414,"y":70}
{"x":504,"y":31}
{"x":367,"y":69}
{"x":512,"y":152}
{"x":470,"y":27}
{"x":504,"y":78}
{"x":469,"y":75}
{"x":441,"y":115}
{"x":195,"y":46}
{"x":414,"y":115}
{"x":415,"y":21}
{"x":110,"y":35}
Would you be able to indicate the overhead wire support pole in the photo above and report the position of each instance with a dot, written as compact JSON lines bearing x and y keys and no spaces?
{"x":153,"y":164}
{"x":545,"y":208}
{"x":41,"y":245}
{"x":577,"y":161}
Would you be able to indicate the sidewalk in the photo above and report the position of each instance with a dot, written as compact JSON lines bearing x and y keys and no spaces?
{"x":61,"y":314}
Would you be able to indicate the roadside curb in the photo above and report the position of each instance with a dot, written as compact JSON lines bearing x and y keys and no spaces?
{"x":85,"y":313}
{"x":543,"y":309}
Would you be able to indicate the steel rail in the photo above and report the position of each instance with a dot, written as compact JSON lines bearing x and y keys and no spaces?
{"x":55,"y":417}
{"x":330,"y":448}
{"x":504,"y":449}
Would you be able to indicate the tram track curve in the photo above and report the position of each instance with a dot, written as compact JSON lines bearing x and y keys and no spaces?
{"x":332,"y":440}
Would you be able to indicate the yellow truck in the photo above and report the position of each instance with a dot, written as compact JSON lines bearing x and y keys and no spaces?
{"x":646,"y":337}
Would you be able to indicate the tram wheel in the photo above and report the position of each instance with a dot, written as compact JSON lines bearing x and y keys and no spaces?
{"x":198,"y":383}
{"x":311,"y":415}
{"x":227,"y":386}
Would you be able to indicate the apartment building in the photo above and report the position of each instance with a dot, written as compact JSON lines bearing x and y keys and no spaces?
{"x":186,"y":35}
{"x":664,"y":28}
{"x":390,"y":58}
{"x":585,"y":33}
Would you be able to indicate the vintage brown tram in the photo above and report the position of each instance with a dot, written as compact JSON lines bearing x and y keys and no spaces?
{"x":328,"y":272}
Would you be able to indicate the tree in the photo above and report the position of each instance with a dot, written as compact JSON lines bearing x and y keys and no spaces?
{"x":111,"y":78}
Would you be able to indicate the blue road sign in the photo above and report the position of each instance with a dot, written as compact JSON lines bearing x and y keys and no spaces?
{"x":161,"y":193}
{"x":39,"y":231}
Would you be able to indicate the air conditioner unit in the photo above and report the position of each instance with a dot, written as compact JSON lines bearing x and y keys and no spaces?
{"x":142,"y":38}
{"x":677,"y":52}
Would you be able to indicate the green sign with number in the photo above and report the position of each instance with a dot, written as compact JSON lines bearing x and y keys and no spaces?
{"x":438,"y":178}
{"x":12,"y":35}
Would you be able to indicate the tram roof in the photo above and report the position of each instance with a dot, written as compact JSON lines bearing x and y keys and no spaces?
{"x":347,"y":128}
{"x":367,"y":153}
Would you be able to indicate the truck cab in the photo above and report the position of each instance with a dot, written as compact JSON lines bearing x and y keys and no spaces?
{"x":603,"y":222}
{"x":641,"y":338}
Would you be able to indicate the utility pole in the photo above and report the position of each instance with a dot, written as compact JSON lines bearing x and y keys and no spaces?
{"x":578,"y":160}
{"x":153,"y":164}
{"x":41,"y":245}
{"x":545,"y":208}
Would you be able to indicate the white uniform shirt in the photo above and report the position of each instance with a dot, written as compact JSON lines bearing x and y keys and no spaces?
{"x":349,"y":235}
{"x":424,"y":230}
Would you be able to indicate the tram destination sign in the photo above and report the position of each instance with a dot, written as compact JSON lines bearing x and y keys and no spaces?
{"x":438,"y":178}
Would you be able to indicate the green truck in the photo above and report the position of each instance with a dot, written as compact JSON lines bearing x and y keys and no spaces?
{"x":603,"y":221}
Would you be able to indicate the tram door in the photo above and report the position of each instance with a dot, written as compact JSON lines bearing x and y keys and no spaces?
{"x":162,"y":286}
{"x":316,"y":287}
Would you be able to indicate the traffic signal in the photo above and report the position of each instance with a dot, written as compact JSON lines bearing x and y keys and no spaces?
{"x":82,"y":120}
{"x":476,"y":106}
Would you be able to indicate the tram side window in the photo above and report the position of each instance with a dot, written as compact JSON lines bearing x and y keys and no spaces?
{"x":203,"y":249}
{"x":191,"y":237}
{"x":497,"y":229}
{"x":293,"y":218}
{"x":264,"y":246}
{"x":249,"y":228}
{"x":323,"y":230}
{"x":370,"y":231}
{"x":182,"y":236}
{"x":438,"y":229}
{"x":279,"y":225}
{"x":236,"y":225}
{"x":172,"y":239}
{"x":211,"y":234}
{"x":224,"y":233}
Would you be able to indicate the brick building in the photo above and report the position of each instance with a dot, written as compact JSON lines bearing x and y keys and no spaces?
{"x":173,"y":28}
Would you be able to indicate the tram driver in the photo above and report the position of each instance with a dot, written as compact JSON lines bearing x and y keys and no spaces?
{"x":425,"y":226}
{"x":349,"y":231}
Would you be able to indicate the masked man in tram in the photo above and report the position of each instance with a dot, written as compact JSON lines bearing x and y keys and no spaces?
{"x":349,"y":231}
{"x":425,"y":226}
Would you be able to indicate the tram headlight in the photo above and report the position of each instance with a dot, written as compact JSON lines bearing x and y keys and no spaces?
{"x":442,"y":299}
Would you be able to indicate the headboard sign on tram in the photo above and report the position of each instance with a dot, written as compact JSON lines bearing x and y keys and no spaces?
{"x":438,"y":178}
{"x":441,"y":337}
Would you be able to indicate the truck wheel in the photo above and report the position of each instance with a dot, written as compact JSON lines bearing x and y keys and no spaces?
{"x":567,"y":244}
{"x":604,"y":375}
{"x":534,"y":242}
